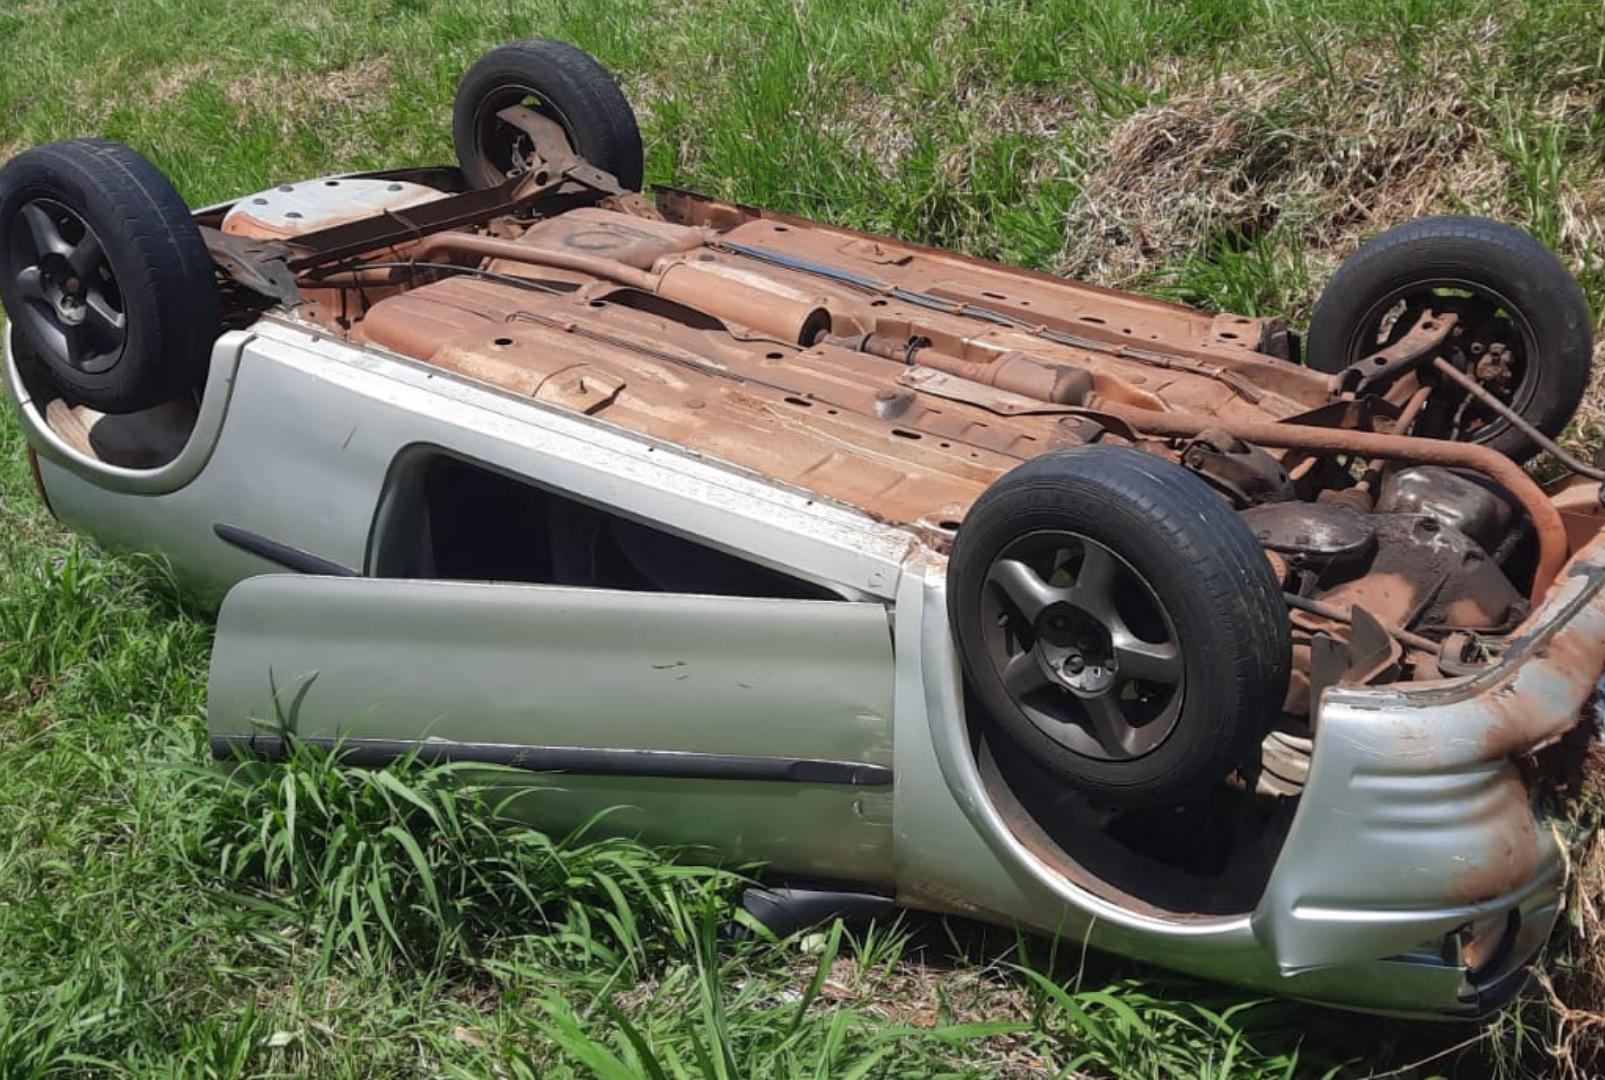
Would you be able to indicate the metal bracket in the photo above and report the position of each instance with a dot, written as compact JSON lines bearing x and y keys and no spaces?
{"x":1419,"y":344}
{"x":546,"y":135}
{"x":554,"y":152}
{"x":258,"y":265}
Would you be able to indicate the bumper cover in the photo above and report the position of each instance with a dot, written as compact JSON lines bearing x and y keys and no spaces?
{"x":1416,"y":821}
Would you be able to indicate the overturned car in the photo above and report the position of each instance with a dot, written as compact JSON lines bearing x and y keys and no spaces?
{"x":920,"y":580}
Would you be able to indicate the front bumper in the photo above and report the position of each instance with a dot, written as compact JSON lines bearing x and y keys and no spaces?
{"x":1415,"y":831}
{"x":1416,"y":822}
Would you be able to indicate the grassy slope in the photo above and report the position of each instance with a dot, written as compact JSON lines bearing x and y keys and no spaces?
{"x":1225,"y":152}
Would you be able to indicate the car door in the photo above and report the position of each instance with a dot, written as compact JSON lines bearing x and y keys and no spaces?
{"x":760,"y":728}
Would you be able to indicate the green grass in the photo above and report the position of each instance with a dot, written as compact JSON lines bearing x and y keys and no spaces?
{"x":157,"y":918}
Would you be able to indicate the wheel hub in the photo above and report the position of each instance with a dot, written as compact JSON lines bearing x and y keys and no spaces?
{"x":520,"y":150}
{"x":1076,"y":650}
{"x":63,"y":289}
{"x":1491,"y":340}
{"x":508,"y":146}
{"x":71,"y":306}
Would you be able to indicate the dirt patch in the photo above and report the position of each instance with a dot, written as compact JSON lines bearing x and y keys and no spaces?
{"x":18,"y":700}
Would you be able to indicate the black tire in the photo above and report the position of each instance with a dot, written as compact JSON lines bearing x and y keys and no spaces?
{"x":1190,"y":554}
{"x":1523,"y":289}
{"x":558,"y":80}
{"x":126,"y":240}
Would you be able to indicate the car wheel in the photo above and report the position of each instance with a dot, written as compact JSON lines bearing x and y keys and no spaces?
{"x":1117,"y":621}
{"x":1524,"y":330}
{"x":105,"y":275}
{"x":558,"y":81}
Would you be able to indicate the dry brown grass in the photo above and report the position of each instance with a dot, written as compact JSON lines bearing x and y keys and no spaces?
{"x":1569,"y":776}
{"x":1234,"y":155}
{"x":289,"y":97}
{"x":170,"y":84}
{"x":874,"y":123}
{"x":1588,"y":430}
{"x":1576,"y":988}
{"x":920,"y":991}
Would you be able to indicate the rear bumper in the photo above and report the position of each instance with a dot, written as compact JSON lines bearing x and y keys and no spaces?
{"x":1416,"y":823}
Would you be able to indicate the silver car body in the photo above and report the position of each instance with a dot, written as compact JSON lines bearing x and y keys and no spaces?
{"x":823,"y":738}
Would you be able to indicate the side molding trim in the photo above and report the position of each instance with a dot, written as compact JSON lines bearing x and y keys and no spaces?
{"x":291,"y":558}
{"x":579,"y":760}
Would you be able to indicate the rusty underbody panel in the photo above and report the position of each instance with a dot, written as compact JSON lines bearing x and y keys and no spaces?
{"x":903,"y":381}
{"x":715,"y":347}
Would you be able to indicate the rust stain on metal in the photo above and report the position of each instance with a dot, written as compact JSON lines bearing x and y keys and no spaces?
{"x":1511,"y":852}
{"x":1578,"y":500}
{"x":1572,"y":660}
{"x":767,"y":349}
